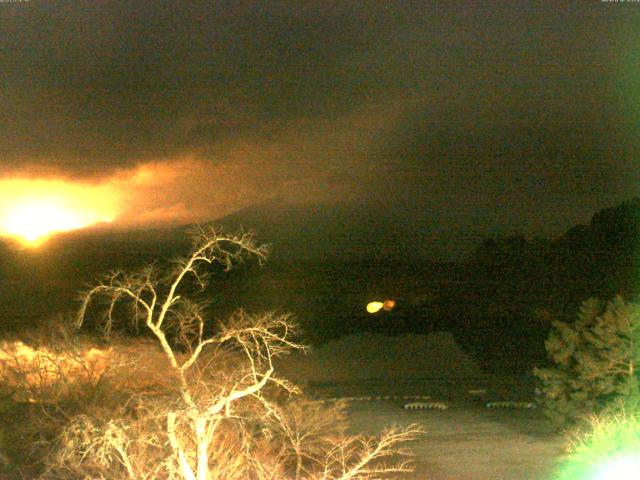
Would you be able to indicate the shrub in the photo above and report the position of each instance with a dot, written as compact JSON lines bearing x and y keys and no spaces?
{"x":595,"y":362}
{"x":217,"y":409}
{"x":608,"y":448}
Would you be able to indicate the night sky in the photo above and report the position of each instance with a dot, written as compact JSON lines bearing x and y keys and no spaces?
{"x":452,"y":116}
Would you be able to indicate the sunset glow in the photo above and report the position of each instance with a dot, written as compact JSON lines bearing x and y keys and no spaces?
{"x":32,"y":210}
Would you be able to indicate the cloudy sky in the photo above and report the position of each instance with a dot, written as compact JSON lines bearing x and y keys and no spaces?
{"x":494,"y":116}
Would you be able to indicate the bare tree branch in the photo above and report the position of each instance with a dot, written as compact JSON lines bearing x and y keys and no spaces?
{"x":181,"y":435}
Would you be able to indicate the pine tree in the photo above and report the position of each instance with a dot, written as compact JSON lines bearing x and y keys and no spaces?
{"x":596,"y":362}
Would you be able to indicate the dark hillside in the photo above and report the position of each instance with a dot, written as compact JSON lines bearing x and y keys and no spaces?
{"x":509,"y":283}
{"x":491,"y":300}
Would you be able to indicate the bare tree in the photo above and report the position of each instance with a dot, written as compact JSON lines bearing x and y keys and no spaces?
{"x":193,"y":421}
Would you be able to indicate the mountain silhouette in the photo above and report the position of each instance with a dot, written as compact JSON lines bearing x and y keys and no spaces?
{"x":329,"y":260}
{"x":350,"y":232}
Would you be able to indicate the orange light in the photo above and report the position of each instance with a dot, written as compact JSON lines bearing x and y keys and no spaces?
{"x":33,"y":210}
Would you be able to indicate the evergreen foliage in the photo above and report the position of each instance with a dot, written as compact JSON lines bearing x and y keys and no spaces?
{"x":596,"y":361}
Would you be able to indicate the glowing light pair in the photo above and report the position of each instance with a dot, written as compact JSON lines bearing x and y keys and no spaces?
{"x":387,"y":305}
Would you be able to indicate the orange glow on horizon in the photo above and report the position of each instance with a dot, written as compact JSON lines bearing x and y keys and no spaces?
{"x":31,"y":210}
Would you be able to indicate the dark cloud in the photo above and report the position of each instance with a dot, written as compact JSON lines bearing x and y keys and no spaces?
{"x":115,"y":83}
{"x":452,"y":108}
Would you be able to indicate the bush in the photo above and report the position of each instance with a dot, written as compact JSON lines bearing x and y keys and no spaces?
{"x":596,"y":362}
{"x":194,"y":404}
{"x":609,"y":448}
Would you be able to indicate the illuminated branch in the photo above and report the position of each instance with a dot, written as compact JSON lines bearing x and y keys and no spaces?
{"x":361,"y":458}
{"x":192,"y":421}
{"x":259,"y":337}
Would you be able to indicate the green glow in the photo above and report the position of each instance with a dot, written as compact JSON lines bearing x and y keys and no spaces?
{"x":626,"y":467}
{"x":610,"y":450}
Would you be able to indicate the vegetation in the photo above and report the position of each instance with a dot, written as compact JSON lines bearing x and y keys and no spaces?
{"x":189,"y":401}
{"x":608,"y":448}
{"x":595,"y":362}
